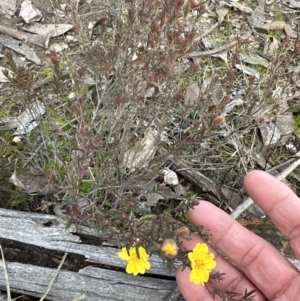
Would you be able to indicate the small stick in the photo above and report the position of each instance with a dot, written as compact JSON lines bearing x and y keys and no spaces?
{"x":5,"y":275}
{"x":40,"y":40}
{"x":248,"y":202}
{"x":54,"y":277}
{"x":218,"y":49}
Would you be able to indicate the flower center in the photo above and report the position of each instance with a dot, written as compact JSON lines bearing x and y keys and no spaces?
{"x":135,"y":257}
{"x":199,"y":264}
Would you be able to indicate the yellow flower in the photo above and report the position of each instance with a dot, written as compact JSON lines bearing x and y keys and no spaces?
{"x":137,"y":260}
{"x":169,"y":248}
{"x":201,"y":263}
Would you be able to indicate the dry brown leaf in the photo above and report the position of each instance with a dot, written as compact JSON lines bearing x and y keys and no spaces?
{"x":214,"y":89}
{"x":26,"y":121}
{"x":29,"y":13}
{"x":34,"y":181}
{"x":238,"y":6}
{"x":248,"y":70}
{"x":278,"y":130}
{"x":57,"y":47}
{"x":192,"y":94}
{"x":140,"y":155}
{"x":170,"y":177}
{"x":291,"y":3}
{"x":254,"y":59}
{"x":221,"y":12}
{"x":55,"y":29}
{"x":21,"y":48}
{"x":3,"y":78}
{"x":280,"y":25}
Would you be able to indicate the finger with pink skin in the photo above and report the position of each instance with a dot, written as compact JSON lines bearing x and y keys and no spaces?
{"x":189,"y":290}
{"x":234,"y":279}
{"x":279,"y":202}
{"x":260,"y":261}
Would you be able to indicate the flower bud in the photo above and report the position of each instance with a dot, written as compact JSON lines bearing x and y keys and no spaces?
{"x":227,"y":98}
{"x":164,"y":18}
{"x":170,"y":70}
{"x":190,"y":36}
{"x":202,"y":8}
{"x":178,"y":7}
{"x":181,"y":24}
{"x":169,"y":248}
{"x":130,"y":14}
{"x":218,"y":121}
{"x":194,"y":202}
{"x":183,"y":231}
{"x":105,"y":223}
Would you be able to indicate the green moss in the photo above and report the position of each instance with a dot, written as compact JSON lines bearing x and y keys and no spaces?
{"x":85,"y":186}
{"x":56,"y":167}
{"x":47,"y":72}
{"x":280,"y":17}
{"x":297,"y":124}
{"x":20,"y":200}
{"x":183,"y":85}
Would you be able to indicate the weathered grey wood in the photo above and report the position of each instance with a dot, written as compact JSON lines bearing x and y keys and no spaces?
{"x":93,"y":283}
{"x":107,"y":281}
{"x":43,"y":219}
{"x":97,"y":283}
{"x":29,"y":228}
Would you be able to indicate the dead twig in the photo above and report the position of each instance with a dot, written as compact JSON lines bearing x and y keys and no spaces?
{"x":5,"y":275}
{"x":211,"y":191}
{"x":248,"y":202}
{"x":54,"y":277}
{"x":218,"y":49}
{"x":39,"y":40}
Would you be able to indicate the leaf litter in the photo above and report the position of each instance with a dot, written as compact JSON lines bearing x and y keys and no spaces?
{"x":143,"y":151}
{"x":276,"y":127}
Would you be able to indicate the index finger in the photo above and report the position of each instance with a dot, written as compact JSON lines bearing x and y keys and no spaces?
{"x":266,"y":268}
{"x":279,"y":202}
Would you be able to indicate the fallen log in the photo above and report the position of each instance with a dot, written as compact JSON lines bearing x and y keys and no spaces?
{"x":34,"y":243}
{"x":90,"y":283}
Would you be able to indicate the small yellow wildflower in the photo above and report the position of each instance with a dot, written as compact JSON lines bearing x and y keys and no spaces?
{"x":169,"y":248}
{"x":137,"y":261}
{"x":201,"y":263}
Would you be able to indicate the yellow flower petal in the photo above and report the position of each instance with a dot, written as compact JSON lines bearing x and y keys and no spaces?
{"x":137,"y":261}
{"x":199,"y":277}
{"x":123,"y":254}
{"x":201,"y":263}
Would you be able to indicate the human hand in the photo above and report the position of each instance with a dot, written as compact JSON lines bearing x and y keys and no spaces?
{"x":263,"y":267}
